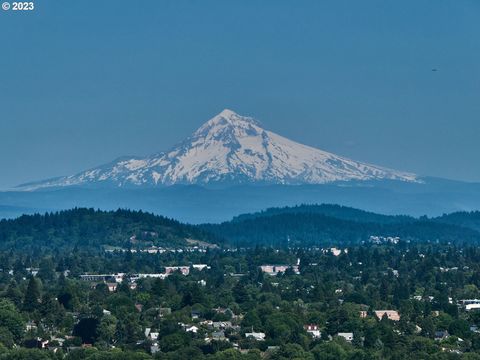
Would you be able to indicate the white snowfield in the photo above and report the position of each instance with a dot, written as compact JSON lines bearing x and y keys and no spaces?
{"x":230,"y":148}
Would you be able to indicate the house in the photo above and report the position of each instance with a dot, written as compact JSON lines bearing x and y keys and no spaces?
{"x":313,"y":330}
{"x":112,"y":287}
{"x":184,"y":270}
{"x":118,"y":277}
{"x":33,"y":271}
{"x":346,"y":335}
{"x":57,"y":340}
{"x":43,"y":344}
{"x":38,"y":343}
{"x":200,"y":267}
{"x":391,"y":314}
{"x":207,"y":323}
{"x":219,"y":336}
{"x":192,"y":329}
{"x":363,"y":314}
{"x":258,"y":336}
{"x":278,"y":269}
{"x":469,"y":307}
{"x":150,"y":334}
{"x":195,"y":314}
{"x":93,"y":277}
{"x":225,"y":311}
{"x":441,"y":335}
{"x":222,"y":325}
{"x":149,"y":275}
{"x":335,"y":251}
{"x":164,"y":311}
{"x":272,"y":349}
{"x":466,"y":302}
{"x":30,"y":326}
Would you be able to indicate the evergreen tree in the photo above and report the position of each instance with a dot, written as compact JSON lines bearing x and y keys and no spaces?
{"x":32,"y":295}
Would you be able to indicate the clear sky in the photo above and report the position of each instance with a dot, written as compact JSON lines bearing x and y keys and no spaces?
{"x":84,"y":82}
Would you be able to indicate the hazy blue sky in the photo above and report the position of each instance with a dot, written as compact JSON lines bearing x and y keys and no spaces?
{"x":83,"y":82}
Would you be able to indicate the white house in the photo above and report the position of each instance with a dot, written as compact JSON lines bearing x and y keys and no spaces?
{"x":312,"y":329}
{"x":258,"y":336}
{"x":192,"y":329}
{"x":346,"y":335}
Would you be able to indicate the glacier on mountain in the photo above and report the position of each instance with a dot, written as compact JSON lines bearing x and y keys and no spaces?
{"x":230,"y":149}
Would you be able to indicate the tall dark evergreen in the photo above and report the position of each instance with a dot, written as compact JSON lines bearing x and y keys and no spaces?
{"x":31,"y":301}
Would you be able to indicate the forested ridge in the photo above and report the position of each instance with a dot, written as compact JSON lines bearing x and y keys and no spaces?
{"x":465,"y":219}
{"x":306,"y":225}
{"x":331,"y":210}
{"x":83,"y":227}
{"x":310,"y":225}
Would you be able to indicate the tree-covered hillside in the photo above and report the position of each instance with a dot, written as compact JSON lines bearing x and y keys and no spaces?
{"x":466,"y":219}
{"x":303,"y":225}
{"x":94,"y":228}
{"x":331,"y":210}
{"x":331,"y":224}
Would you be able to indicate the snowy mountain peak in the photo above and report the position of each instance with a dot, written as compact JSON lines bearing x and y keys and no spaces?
{"x":229,"y":121}
{"x":227,"y":114}
{"x":232,"y":118}
{"x":231,"y":149}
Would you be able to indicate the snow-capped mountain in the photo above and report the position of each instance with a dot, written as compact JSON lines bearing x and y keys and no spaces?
{"x":231,"y":149}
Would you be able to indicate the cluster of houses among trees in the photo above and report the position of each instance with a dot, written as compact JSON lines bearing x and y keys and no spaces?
{"x":374,"y":300}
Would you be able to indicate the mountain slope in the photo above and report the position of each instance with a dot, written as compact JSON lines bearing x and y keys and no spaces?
{"x":230,"y":149}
